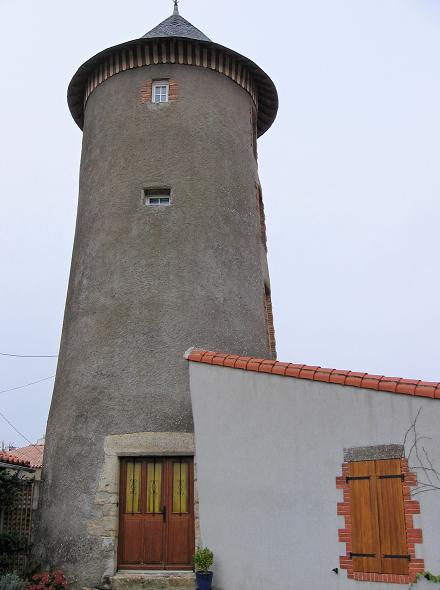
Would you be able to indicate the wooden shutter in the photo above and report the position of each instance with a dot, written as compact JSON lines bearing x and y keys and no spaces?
{"x":365,"y":533}
{"x":379,"y":543}
{"x":391,"y":517}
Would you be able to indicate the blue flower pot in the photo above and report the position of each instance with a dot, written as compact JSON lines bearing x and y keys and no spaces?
{"x":204,"y":580}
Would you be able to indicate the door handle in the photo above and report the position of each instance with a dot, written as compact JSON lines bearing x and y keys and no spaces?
{"x":164,"y":513}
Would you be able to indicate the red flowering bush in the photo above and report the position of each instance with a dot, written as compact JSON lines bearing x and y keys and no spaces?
{"x":48,"y":581}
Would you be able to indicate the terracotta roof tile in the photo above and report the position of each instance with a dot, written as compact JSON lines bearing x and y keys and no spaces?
{"x":32,"y":453}
{"x":415,"y":387}
{"x":8,"y":457}
{"x":338,"y":377}
{"x":241,"y":362}
{"x":219,"y":359}
{"x":279,"y":369}
{"x":197,"y":355}
{"x":354,"y":379}
{"x":254,"y":364}
{"x":308,"y":372}
{"x":425,"y":389}
{"x":230,"y":360}
{"x":208,"y":356}
{"x":371,"y":381}
{"x":323,"y":375}
{"x":292,"y":371}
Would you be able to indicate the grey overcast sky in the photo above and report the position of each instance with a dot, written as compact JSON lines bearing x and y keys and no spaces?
{"x":350,"y":175}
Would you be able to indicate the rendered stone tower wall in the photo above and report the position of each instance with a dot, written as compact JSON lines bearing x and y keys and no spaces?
{"x":147,"y":283}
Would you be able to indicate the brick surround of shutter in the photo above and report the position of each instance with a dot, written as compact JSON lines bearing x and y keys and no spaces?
{"x":413,"y":535}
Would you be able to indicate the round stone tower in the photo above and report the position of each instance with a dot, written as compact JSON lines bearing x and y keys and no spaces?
{"x":169,"y":253}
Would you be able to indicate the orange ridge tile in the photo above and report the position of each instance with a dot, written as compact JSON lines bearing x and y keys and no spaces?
{"x":397,"y":385}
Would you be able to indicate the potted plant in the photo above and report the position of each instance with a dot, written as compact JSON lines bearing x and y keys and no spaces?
{"x":203,"y":560}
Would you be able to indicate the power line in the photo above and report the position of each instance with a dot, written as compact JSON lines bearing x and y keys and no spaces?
{"x":27,"y":384}
{"x":9,"y":422}
{"x":16,"y":430}
{"x":31,"y":356}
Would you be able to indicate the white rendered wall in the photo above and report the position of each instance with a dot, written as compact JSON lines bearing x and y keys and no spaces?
{"x":268,"y":451}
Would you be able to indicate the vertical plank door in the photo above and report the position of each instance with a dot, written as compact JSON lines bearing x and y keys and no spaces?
{"x":180,"y":518}
{"x":156,"y":524}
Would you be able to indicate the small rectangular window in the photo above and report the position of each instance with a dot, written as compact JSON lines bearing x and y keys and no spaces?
{"x":158,"y":200}
{"x":157,"y":197}
{"x":160,"y":91}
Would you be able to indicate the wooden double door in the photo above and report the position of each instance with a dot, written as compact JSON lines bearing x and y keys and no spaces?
{"x":156,"y":525}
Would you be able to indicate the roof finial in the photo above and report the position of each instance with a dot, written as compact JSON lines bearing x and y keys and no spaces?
{"x":176,"y":7}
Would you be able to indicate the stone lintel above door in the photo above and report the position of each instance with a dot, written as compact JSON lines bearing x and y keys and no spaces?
{"x":106,"y":504}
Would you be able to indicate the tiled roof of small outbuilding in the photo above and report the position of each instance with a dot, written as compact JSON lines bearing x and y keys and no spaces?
{"x":33,"y":454}
{"x":11,"y":459}
{"x":415,"y":387}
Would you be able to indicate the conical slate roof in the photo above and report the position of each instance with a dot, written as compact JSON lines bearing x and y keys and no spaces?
{"x":96,"y":69}
{"x":176,"y":26}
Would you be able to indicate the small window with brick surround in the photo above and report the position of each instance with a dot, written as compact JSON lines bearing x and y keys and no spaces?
{"x":378,"y":511}
{"x":160,"y":91}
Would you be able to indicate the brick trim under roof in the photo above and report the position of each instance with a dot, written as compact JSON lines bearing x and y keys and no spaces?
{"x":350,"y":378}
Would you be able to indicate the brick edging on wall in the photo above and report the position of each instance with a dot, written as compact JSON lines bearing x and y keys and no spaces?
{"x":413,"y":535}
{"x":414,"y":387}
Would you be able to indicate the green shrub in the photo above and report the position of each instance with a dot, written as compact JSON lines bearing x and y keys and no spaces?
{"x":429,"y":576}
{"x":203,"y":559}
{"x":11,"y":582}
{"x":10,"y":546}
{"x":9,"y":487}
